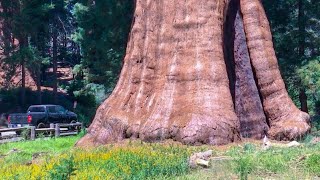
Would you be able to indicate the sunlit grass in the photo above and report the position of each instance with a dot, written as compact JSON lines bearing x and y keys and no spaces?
{"x":25,"y":149}
{"x":132,"y":161}
{"x":169,"y":160}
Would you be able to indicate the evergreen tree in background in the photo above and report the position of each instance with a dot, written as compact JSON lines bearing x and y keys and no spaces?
{"x":103,"y":28}
{"x":42,"y":30}
{"x":295,"y":27}
{"x":24,"y":26}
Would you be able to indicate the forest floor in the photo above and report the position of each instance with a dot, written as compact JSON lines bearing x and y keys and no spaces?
{"x":58,"y":159}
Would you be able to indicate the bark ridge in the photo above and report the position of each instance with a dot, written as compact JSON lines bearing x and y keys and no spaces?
{"x":179,"y":80}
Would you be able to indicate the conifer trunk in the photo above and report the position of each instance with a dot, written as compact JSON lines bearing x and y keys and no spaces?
{"x":301,"y":21}
{"x":181,"y":81}
{"x":38,"y":74}
{"x":23,"y":83}
{"x":23,"y":44}
{"x":55,"y":64}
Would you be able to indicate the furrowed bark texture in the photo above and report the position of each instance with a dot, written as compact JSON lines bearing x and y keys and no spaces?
{"x":174,"y":82}
{"x":286,"y":120}
{"x":248,"y":106}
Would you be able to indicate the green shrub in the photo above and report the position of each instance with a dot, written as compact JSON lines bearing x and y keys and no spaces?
{"x":25,"y":134}
{"x":244,"y":165}
{"x":63,"y":170}
{"x":41,"y":135}
{"x":315,"y":123}
{"x":250,"y":148}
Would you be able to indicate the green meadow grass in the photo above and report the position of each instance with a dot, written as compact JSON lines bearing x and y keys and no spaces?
{"x":25,"y":149}
{"x":168,"y":160}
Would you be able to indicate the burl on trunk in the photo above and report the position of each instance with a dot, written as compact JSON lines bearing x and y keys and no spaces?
{"x":198,"y":72}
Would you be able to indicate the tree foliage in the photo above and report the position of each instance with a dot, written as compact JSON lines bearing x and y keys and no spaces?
{"x":102,"y":32}
{"x":295,"y":27}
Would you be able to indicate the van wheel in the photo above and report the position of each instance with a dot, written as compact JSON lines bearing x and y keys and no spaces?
{"x":41,"y":125}
{"x":72,"y":128}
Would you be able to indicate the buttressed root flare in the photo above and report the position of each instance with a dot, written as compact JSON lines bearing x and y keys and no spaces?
{"x":198,"y":72}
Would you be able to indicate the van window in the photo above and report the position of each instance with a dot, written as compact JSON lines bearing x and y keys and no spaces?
{"x":51,"y":109}
{"x":60,"y":109}
{"x":37,"y":109}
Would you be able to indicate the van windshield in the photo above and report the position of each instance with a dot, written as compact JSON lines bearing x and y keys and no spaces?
{"x":36,"y":109}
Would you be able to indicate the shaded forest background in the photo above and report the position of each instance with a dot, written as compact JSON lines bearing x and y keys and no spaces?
{"x":88,"y":39}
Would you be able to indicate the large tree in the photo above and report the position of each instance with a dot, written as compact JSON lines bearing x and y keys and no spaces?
{"x":197,"y":72}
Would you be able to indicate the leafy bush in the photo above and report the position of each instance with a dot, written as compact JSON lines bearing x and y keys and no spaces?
{"x":244,"y":165}
{"x":25,"y":134}
{"x":63,"y":170}
{"x":315,"y":123}
{"x":88,"y":97}
{"x":310,"y":77}
{"x":248,"y":147}
{"x":41,"y":135}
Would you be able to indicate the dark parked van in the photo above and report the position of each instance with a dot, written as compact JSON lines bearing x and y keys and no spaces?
{"x":41,"y":116}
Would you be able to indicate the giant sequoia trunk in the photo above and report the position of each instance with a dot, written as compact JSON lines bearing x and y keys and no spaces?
{"x":198,"y":71}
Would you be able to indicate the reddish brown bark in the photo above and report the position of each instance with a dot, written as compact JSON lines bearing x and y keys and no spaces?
{"x":174,"y":82}
{"x":286,"y":120}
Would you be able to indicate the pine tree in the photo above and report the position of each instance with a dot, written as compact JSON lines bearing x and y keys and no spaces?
{"x":295,"y":25}
{"x":102,"y":32}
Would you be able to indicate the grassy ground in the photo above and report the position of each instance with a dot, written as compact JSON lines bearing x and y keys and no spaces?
{"x":57,"y":159}
{"x":22,"y":152}
{"x":249,"y":161}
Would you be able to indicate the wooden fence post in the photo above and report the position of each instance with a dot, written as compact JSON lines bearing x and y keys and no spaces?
{"x":33,"y":132}
{"x":82,"y":126}
{"x":57,"y":130}
{"x":51,"y":126}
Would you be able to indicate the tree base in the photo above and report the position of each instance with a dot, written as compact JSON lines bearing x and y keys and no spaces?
{"x":178,"y":78}
{"x":195,"y":131}
{"x":294,"y":127}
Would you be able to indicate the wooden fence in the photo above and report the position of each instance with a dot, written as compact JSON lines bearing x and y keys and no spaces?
{"x":56,"y":130}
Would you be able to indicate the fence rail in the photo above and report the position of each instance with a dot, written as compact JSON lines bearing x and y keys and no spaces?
{"x":55,"y":129}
